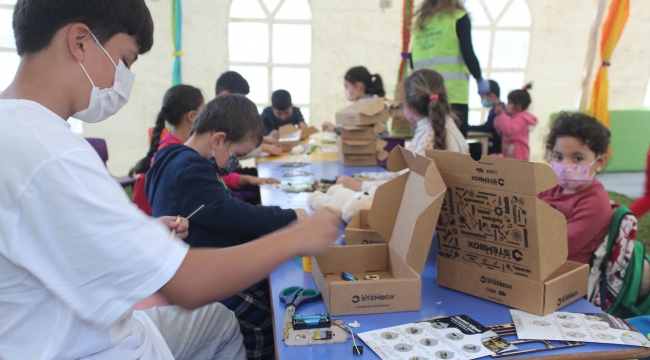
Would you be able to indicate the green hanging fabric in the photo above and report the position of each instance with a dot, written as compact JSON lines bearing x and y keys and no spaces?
{"x":177,"y":32}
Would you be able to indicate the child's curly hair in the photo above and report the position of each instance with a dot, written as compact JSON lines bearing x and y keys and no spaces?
{"x":521,"y":97}
{"x":579,"y":126}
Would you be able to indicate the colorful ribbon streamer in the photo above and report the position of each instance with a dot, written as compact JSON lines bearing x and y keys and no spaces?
{"x":407,"y":19}
{"x":617,"y":16}
{"x":177,"y":32}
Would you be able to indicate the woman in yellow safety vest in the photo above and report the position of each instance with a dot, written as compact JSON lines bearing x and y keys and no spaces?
{"x":442,"y":40}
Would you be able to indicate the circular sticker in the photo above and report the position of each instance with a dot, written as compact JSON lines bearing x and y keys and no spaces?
{"x":598,"y":327}
{"x":439,"y":325}
{"x":634,"y":339}
{"x":471,"y":348}
{"x":414,"y":330}
{"x":403,"y":347}
{"x":429,"y":342}
{"x":444,"y":354}
{"x":455,"y":336}
{"x":593,"y":318}
{"x":570,"y":325}
{"x":565,"y":317}
{"x":605,"y":336}
{"x":388,"y":335}
{"x":541,"y":323}
{"x":575,"y":334}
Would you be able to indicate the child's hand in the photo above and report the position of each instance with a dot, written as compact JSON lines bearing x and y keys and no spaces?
{"x":315,"y":234}
{"x":499,"y":109}
{"x":275,"y":150}
{"x":349,"y":182}
{"x":263,"y":181}
{"x":270,"y":140}
{"x":274,"y":134}
{"x":327,"y":126}
{"x":170,"y":221}
{"x":301,"y":214}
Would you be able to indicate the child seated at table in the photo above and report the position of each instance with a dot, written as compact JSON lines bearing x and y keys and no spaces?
{"x":182,"y":178}
{"x":491,"y":100}
{"x":426,"y":106}
{"x":514,"y":124}
{"x":181,"y":105}
{"x":280,"y":113}
{"x":577,"y":147}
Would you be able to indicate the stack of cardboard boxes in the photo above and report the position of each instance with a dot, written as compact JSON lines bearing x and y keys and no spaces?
{"x":498,"y":241}
{"x":360,"y":123}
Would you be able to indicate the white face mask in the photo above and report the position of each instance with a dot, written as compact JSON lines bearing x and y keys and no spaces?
{"x":106,"y":102}
{"x":348,"y":97}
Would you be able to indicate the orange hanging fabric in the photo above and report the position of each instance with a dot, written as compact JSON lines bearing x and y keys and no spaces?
{"x":617,"y":16}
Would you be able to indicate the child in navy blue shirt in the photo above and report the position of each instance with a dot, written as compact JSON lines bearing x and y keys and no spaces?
{"x":491,"y":101}
{"x":184,"y":177}
{"x":280,"y":113}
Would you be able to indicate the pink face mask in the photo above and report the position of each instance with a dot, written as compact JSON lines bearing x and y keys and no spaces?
{"x":573,"y":176}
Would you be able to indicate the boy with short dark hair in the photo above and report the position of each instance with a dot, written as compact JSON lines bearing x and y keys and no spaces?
{"x":281,"y":112}
{"x":491,"y":100}
{"x":75,"y":254}
{"x":231,"y":82}
{"x":182,"y":179}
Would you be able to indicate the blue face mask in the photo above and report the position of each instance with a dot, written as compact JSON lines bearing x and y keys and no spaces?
{"x":486,"y":103}
{"x":231,"y":165}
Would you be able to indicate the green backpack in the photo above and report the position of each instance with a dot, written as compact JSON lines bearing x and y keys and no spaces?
{"x":618,"y":269}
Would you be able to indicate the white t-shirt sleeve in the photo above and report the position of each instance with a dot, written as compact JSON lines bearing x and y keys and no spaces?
{"x":79,"y":235}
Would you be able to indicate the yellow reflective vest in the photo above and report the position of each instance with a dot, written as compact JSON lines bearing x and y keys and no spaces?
{"x":437,"y":47}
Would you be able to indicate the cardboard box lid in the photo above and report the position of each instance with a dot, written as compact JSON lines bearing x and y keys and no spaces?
{"x":368,"y":107}
{"x":523,"y":231}
{"x":405,"y":216}
{"x":291,"y":133}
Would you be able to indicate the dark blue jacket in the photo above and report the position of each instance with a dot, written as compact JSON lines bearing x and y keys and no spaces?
{"x":488,"y":127}
{"x":273,"y":123}
{"x":181,"y":180}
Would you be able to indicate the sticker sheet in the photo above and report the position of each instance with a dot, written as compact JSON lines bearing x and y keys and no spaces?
{"x":586,"y":327}
{"x":455,"y":337}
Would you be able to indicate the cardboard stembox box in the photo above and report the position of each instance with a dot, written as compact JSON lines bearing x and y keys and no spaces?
{"x":498,"y":241}
{"x":361,"y":132}
{"x":291,"y":135}
{"x":363,"y":112}
{"x":402,"y":213}
{"x":359,"y":232}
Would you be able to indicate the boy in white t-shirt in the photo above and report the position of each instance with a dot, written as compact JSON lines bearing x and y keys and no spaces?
{"x":75,"y":255}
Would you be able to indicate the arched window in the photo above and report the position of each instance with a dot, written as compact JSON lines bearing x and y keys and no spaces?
{"x":501,"y":38}
{"x":9,"y":59}
{"x":269,"y":43}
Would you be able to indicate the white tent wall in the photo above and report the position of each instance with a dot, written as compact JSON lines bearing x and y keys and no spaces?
{"x":347,"y":33}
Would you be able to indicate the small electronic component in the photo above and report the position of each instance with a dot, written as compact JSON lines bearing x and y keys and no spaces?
{"x":322,"y":335}
{"x":357,"y":350}
{"x":348,"y":277}
{"x":312,"y":321}
{"x":371,"y":277}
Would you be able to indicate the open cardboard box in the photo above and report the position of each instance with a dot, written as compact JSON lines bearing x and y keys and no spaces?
{"x":361,"y":132}
{"x":359,"y":232}
{"x":291,"y":135}
{"x":402,"y":211}
{"x":363,"y":112}
{"x":492,"y":223}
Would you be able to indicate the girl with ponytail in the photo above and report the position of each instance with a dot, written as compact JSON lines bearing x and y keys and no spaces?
{"x":181,"y":104}
{"x":427,"y":107}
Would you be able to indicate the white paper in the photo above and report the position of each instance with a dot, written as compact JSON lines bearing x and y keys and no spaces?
{"x":300,"y":197}
{"x":456,"y":337}
{"x":585,"y":327}
{"x":329,"y":149}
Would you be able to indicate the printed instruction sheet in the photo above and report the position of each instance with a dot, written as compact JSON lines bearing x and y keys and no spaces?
{"x":586,"y":327}
{"x":455,"y":337}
